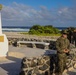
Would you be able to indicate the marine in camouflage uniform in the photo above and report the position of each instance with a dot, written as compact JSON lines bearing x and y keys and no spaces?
{"x":63,"y":47}
{"x":74,"y":37}
{"x":69,"y":34}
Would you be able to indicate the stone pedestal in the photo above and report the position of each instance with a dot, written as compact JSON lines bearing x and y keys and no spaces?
{"x":3,"y":45}
{"x":3,"y":40}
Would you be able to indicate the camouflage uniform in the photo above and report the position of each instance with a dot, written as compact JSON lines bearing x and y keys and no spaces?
{"x":61,"y":44}
{"x":74,"y":37}
{"x":69,"y":32}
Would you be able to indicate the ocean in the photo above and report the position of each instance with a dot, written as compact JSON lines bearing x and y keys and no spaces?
{"x":21,"y":28}
{"x":15,"y":29}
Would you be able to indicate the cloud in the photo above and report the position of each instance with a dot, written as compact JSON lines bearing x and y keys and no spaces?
{"x":67,"y":16}
{"x":20,"y":14}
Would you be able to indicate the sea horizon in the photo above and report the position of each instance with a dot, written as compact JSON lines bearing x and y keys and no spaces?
{"x":22,"y":28}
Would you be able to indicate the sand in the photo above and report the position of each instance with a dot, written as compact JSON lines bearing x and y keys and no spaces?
{"x":19,"y":35}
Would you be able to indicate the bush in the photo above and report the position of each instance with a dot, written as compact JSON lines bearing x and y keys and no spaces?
{"x":48,"y":29}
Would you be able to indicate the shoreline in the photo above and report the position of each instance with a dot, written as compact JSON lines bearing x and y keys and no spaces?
{"x":19,"y":35}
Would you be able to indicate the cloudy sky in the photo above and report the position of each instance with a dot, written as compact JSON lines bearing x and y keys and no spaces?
{"x":59,"y":13}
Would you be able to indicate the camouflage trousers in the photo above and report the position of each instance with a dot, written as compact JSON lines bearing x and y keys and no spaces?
{"x":62,"y":59}
{"x":53,"y":64}
{"x":75,"y":41}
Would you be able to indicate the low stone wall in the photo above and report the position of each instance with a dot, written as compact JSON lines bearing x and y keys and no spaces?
{"x":14,"y":43}
{"x":35,"y":66}
{"x":41,"y":65}
{"x":12,"y":40}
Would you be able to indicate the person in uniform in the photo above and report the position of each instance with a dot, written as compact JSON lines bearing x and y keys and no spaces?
{"x":74,"y":36}
{"x":69,"y":35}
{"x":63,"y":47}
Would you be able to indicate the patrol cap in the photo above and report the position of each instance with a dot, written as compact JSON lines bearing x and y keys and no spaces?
{"x":74,"y":30}
{"x":64,"y":32}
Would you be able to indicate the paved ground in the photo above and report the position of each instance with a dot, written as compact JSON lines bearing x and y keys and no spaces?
{"x":11,"y":64}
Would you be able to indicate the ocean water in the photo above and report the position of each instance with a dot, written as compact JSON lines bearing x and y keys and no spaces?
{"x":15,"y":29}
{"x":21,"y":28}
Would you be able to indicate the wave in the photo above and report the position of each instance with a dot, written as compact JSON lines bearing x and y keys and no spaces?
{"x":15,"y":29}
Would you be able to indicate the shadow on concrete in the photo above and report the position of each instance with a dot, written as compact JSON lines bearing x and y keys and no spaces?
{"x":50,"y":52}
{"x":71,"y":73}
{"x":12,"y":67}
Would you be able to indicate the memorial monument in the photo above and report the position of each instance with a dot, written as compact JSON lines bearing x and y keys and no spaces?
{"x":3,"y":40}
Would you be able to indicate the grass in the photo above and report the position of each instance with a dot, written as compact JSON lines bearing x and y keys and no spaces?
{"x":48,"y":34}
{"x":40,"y":34}
{"x":24,"y":33}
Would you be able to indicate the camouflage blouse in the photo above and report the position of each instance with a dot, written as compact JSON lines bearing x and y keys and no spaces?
{"x":61,"y":44}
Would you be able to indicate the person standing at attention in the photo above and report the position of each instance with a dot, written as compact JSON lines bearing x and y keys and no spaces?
{"x":63,"y":47}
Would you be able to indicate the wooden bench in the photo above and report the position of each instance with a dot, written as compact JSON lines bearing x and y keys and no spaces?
{"x":34,"y":44}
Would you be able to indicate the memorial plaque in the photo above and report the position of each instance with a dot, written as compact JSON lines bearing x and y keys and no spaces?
{"x":1,"y":38}
{"x":0,"y":6}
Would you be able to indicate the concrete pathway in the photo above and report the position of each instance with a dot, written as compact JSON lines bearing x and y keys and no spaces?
{"x":11,"y":64}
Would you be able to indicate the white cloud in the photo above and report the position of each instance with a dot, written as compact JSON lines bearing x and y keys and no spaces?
{"x":20,"y":14}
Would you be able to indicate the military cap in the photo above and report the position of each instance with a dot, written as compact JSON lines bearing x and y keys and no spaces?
{"x":74,"y":30}
{"x":64,"y":32}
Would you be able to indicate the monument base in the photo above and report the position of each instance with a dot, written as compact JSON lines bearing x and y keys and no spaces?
{"x":3,"y":45}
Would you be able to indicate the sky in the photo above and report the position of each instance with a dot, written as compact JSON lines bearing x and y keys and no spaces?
{"x":59,"y":13}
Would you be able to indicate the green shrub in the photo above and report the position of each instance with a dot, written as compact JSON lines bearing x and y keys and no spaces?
{"x":48,"y":29}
